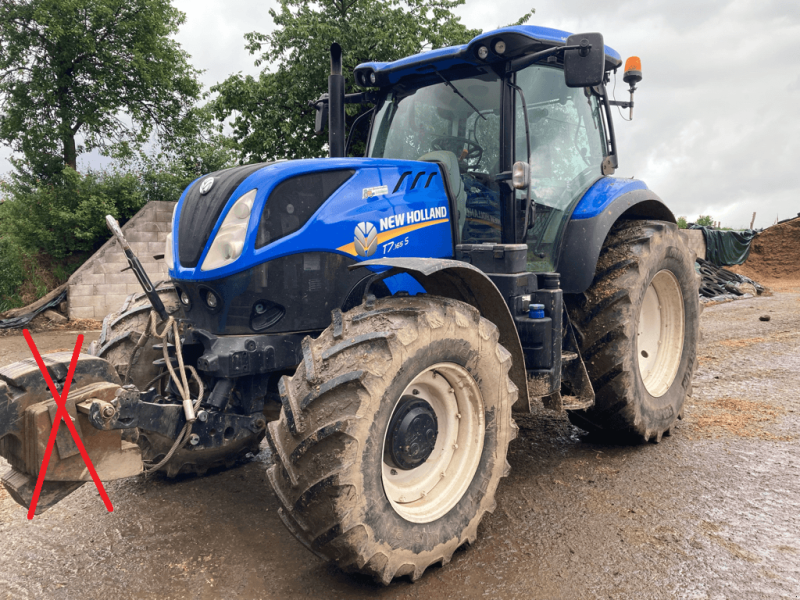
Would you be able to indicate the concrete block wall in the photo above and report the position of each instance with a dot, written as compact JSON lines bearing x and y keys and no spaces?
{"x":98,"y":287}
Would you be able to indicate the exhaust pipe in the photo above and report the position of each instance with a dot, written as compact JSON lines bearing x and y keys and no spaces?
{"x":336,"y":137}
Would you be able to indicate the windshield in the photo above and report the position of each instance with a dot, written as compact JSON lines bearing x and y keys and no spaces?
{"x":434,"y":123}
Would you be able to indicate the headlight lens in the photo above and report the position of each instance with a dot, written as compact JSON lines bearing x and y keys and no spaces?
{"x":228,"y":244}
{"x":169,"y":257}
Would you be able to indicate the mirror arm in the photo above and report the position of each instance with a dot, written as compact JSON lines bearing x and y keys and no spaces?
{"x":361,"y":98}
{"x":525,"y":61}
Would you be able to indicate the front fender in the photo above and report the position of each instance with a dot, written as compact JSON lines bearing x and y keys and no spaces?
{"x":461,"y":281}
{"x":584,"y":237}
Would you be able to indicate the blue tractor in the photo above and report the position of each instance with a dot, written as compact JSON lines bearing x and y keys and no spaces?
{"x":380,"y":319}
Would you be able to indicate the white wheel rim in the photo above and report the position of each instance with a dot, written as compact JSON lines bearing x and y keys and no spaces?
{"x":659,"y":340}
{"x":428,"y":492}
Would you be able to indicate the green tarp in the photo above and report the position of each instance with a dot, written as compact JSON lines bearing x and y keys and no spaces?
{"x":727,"y":247}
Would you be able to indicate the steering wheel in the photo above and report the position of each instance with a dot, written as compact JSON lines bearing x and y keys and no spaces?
{"x":464,"y":148}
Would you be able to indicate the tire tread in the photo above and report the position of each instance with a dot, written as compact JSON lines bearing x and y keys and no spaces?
{"x":350,"y":366}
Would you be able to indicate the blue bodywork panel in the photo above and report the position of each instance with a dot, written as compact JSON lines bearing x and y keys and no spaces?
{"x":545,"y":35}
{"x":409,"y":222}
{"x":525,"y":37}
{"x":602,"y":194}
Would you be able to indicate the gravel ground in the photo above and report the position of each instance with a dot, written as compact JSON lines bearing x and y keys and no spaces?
{"x":711,"y":512}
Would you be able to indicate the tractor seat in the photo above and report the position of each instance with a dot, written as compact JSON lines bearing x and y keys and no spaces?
{"x":449,"y":161}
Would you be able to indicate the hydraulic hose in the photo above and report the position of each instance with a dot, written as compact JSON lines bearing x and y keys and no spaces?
{"x":182,"y":383}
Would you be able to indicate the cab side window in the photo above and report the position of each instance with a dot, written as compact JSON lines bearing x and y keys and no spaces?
{"x":566,"y":154}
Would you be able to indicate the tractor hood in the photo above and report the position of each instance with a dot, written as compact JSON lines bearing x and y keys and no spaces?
{"x":229,"y":221}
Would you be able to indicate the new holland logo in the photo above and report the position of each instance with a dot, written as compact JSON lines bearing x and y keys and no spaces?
{"x":205,"y":187}
{"x":366,"y":239}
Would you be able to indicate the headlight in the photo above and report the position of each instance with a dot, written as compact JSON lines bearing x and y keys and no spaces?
{"x":169,"y":257}
{"x":229,"y":241}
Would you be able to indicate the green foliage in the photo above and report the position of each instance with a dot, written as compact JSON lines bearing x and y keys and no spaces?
{"x":682,"y":223}
{"x":108,"y":70}
{"x":164,"y":175}
{"x":524,"y":18}
{"x":63,"y":271}
{"x":67,"y":213}
{"x":705,"y":220}
{"x":12,"y":273}
{"x":271,"y":116}
{"x":27,"y":275}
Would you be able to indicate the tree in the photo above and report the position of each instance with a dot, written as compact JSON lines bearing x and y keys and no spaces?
{"x":66,"y":214}
{"x":105,"y":70}
{"x":199,"y":147}
{"x":272,"y":118}
{"x":705,"y":221}
{"x":682,"y":223}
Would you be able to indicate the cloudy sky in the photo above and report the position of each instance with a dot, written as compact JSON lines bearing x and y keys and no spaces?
{"x":717,"y":123}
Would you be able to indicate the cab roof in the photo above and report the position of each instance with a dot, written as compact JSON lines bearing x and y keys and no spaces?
{"x":519,"y":40}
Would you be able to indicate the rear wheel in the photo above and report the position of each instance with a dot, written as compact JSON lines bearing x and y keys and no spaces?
{"x":393,"y":435}
{"x":637,"y":329}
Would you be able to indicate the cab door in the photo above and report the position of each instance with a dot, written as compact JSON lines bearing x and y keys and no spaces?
{"x":566,"y":154}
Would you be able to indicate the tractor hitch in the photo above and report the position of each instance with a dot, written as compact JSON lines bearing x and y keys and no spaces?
{"x":100,"y":409}
{"x":135,"y":409}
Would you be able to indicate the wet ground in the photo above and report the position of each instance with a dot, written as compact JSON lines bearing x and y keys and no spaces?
{"x":711,"y":512}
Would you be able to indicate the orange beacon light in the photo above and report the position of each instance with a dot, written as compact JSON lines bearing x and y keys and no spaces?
{"x":633,"y":71}
{"x":632,"y":76}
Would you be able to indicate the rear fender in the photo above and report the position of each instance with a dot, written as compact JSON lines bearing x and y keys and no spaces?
{"x":461,"y":281}
{"x":584,"y":237}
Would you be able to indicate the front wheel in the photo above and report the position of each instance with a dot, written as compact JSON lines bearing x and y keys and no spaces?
{"x":393,"y":435}
{"x":637,"y":328}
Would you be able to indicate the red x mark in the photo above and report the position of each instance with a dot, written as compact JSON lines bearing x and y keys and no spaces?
{"x":61,"y":413}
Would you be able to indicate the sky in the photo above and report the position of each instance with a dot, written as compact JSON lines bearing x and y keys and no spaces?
{"x":716,"y":128}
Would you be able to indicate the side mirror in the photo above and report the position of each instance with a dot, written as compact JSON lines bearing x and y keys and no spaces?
{"x":585,"y":67}
{"x":321,"y":118}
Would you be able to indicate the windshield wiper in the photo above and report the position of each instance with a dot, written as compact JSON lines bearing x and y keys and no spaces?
{"x":455,"y":89}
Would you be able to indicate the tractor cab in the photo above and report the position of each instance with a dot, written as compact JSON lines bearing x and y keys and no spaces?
{"x":464,"y":133}
{"x":522,"y":95}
